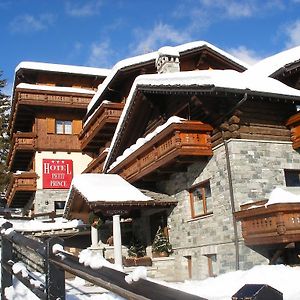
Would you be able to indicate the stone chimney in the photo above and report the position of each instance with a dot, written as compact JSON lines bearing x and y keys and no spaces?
{"x":167,"y":60}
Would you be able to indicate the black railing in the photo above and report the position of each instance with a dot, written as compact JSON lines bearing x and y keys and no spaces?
{"x":56,"y":264}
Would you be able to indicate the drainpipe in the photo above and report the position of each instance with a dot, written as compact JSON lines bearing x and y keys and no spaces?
{"x":232,"y":203}
{"x":231,"y":194}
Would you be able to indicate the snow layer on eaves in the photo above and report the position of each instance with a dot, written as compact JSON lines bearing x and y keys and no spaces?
{"x":106,"y":188}
{"x":271,"y":64}
{"x":153,"y":56}
{"x":54,"y":88}
{"x":82,"y":70}
{"x":227,"y":79}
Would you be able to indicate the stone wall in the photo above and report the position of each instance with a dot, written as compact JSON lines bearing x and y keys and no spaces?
{"x":257,"y":167}
{"x":45,"y":200}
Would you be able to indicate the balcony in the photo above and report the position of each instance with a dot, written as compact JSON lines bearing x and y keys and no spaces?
{"x":22,"y":151}
{"x":96,"y":165}
{"x":21,"y":189}
{"x":275,"y":224}
{"x":294,"y":124}
{"x":174,"y":147}
{"x":101,"y":126}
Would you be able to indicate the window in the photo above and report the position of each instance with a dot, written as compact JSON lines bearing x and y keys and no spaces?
{"x":200,"y":199}
{"x":63,"y":127}
{"x":292,"y":177}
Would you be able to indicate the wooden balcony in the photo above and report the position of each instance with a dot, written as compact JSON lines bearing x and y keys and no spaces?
{"x":294,"y":124}
{"x":96,"y":165}
{"x":23,"y":147}
{"x":177,"y":145}
{"x":275,"y":224}
{"x":21,"y":189}
{"x":101,"y":127}
{"x":52,"y":98}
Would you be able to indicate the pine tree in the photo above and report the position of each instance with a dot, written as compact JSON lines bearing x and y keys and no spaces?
{"x":4,"y":137}
{"x":161,"y":242}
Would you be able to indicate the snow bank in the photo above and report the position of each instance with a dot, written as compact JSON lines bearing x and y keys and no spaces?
{"x":136,"y":275}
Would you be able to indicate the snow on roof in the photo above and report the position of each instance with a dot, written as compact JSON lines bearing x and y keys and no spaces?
{"x":39,"y":225}
{"x":271,"y":64}
{"x":82,"y":70}
{"x":167,"y":50}
{"x":141,"y":141}
{"x":226,"y":79}
{"x":54,"y":88}
{"x":106,"y":188}
{"x":284,"y":195}
{"x":152,"y":56}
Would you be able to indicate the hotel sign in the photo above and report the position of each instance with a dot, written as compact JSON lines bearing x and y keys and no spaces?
{"x":57,"y":173}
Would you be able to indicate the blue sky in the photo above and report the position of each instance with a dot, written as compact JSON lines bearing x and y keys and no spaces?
{"x":99,"y":33}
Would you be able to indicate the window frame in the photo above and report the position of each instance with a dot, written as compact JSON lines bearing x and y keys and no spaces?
{"x":63,"y":126}
{"x":202,"y":185}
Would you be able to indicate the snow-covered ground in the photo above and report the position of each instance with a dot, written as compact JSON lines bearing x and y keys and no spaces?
{"x":283,"y":278}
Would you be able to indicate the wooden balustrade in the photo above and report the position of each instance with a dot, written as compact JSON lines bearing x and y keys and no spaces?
{"x":21,"y":188}
{"x":178,"y":143}
{"x":101,"y":126}
{"x":294,"y":124}
{"x":96,"y":165}
{"x":53,"y":98}
{"x":23,"y":147}
{"x":274,"y":224}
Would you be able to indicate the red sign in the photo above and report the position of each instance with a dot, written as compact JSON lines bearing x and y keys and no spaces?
{"x":57,"y":173}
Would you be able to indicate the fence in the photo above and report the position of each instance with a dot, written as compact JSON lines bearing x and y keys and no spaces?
{"x":55,"y":266}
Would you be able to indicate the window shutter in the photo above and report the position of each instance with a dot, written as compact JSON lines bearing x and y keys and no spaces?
{"x":50,"y":125}
{"x":77,"y":126}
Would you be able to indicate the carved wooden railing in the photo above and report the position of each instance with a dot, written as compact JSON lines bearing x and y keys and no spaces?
{"x":22,"y":185}
{"x":179,"y":141}
{"x":53,"y":98}
{"x":101,"y":126}
{"x":23,"y":143}
{"x":294,"y":124}
{"x":96,"y":165}
{"x":274,"y":224}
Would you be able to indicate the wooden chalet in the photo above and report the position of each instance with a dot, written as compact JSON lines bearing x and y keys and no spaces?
{"x":106,"y":106}
{"x":48,"y":105}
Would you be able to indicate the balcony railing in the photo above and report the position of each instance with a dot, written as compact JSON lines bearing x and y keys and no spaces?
{"x":101,"y":126}
{"x":96,"y":165}
{"x":21,"y":189}
{"x":53,"y":98}
{"x":22,"y":150}
{"x":274,"y":224}
{"x":179,"y":143}
{"x":294,"y":124}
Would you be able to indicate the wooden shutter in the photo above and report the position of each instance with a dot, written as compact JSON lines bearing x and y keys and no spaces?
{"x":50,"y":125}
{"x":77,"y":126}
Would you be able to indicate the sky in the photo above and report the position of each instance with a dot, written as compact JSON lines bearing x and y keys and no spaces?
{"x":99,"y":33}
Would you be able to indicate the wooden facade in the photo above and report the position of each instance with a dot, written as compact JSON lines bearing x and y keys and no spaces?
{"x":96,"y":165}
{"x":21,"y":189}
{"x":294,"y":124}
{"x":179,"y":143}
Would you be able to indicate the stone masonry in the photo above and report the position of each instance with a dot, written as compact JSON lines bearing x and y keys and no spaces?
{"x":257,"y":167}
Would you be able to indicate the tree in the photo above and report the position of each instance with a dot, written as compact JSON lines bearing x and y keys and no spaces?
{"x":161,"y":243}
{"x":4,"y":136}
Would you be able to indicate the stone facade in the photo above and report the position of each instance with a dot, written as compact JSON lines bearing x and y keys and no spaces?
{"x":208,"y":242}
{"x":45,"y":200}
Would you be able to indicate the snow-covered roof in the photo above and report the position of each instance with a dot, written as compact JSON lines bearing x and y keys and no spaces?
{"x":82,"y":70}
{"x":271,"y":64}
{"x":221,"y":79}
{"x":284,"y":195}
{"x":54,"y":88}
{"x":107,"y":188}
{"x":140,"y":59}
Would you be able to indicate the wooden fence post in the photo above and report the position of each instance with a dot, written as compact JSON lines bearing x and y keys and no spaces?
{"x":55,"y":276}
{"x":6,"y":255}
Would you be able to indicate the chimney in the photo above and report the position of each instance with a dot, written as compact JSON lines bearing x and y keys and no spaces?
{"x":167,"y":60}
